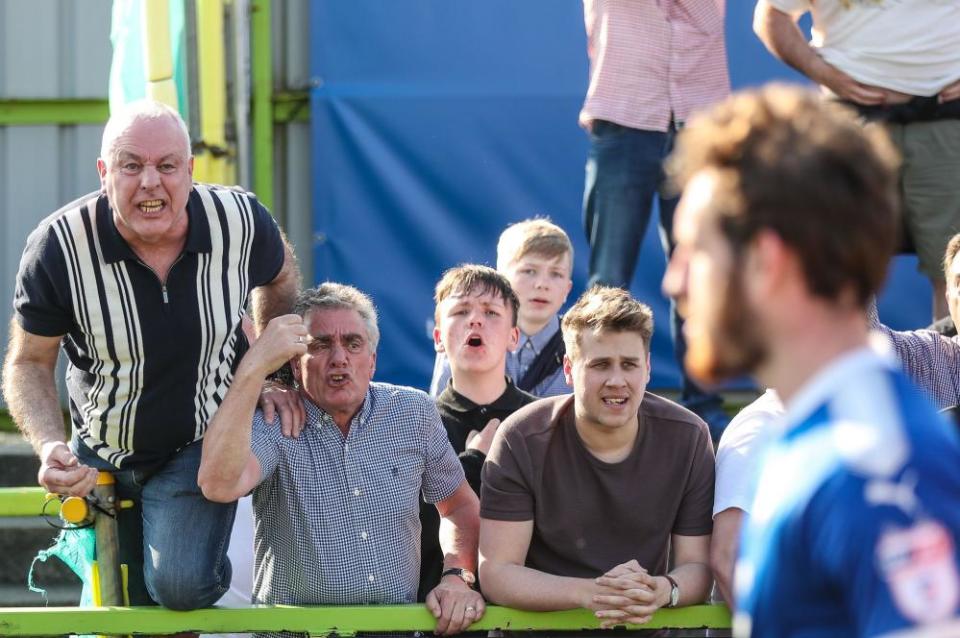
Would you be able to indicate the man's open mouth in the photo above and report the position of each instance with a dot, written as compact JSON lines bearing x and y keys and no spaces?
{"x":614,"y":400}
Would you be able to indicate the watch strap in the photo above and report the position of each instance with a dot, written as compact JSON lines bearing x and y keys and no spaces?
{"x":464,"y":574}
{"x":674,"y":591}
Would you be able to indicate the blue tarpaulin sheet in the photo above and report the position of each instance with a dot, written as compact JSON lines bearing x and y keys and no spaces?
{"x":435,"y":124}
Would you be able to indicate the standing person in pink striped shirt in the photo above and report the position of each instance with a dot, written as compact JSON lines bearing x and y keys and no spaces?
{"x":652,"y":63}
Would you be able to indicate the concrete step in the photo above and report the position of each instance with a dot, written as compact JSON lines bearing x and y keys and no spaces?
{"x":18,"y":463}
{"x":22,"y":538}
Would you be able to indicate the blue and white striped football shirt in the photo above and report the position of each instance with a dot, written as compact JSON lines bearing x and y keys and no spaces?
{"x":855,"y":527}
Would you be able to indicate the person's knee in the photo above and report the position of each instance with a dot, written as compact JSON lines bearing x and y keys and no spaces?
{"x":185,"y":587}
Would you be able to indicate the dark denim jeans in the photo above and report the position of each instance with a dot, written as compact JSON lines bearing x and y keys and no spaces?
{"x":624,"y":173}
{"x":174,"y":541}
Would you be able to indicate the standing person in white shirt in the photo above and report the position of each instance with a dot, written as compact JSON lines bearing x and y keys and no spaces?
{"x":897,"y":62}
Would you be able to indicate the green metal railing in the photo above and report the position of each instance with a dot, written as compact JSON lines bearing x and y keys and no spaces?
{"x":344,"y":621}
{"x":316,"y":620}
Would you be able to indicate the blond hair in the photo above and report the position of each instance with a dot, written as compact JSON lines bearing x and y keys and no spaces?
{"x":537,"y":236}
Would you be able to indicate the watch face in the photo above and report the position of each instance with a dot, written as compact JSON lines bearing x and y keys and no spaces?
{"x":674,"y":596}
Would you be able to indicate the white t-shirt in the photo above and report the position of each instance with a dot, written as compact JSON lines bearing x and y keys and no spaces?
{"x":911,"y":46}
{"x":740,"y":450}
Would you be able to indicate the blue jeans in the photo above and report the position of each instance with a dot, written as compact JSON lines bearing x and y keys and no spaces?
{"x":624,"y":173}
{"x":173,"y":541}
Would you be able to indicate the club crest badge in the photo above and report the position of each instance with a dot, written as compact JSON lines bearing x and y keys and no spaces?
{"x":919,"y":566}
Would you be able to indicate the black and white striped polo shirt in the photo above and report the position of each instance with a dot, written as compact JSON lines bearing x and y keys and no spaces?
{"x":149,"y":361}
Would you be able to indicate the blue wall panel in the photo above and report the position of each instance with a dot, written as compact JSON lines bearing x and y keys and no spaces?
{"x":435,"y":124}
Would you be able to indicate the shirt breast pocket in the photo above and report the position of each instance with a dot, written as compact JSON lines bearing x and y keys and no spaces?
{"x":400,"y":480}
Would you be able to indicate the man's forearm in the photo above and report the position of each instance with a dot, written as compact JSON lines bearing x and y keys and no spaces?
{"x":31,"y":395}
{"x":460,"y":528}
{"x":524,"y":588}
{"x":782,"y":36}
{"x":276,"y":298}
{"x":226,"y":443}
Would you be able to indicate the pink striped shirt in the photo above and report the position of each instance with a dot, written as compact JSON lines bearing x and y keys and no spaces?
{"x":650,"y":59}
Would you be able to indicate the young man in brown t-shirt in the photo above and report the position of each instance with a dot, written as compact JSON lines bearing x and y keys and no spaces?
{"x":584,"y":495}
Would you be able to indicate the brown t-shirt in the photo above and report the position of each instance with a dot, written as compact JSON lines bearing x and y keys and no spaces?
{"x":590,"y":515}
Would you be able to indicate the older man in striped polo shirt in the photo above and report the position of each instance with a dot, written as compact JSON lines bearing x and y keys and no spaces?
{"x":143,"y":286}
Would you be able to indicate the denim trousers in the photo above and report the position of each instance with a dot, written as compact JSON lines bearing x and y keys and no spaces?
{"x":624,"y":173}
{"x":173,"y":541}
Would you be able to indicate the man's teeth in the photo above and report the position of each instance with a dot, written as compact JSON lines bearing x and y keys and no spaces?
{"x":151,"y":206}
{"x":337,"y":377}
{"x":615,"y":401}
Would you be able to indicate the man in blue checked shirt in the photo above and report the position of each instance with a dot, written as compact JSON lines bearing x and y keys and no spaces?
{"x":338,"y":507}
{"x":784,"y":231}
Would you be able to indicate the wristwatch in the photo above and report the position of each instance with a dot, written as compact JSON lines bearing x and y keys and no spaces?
{"x":468,"y":577}
{"x":674,"y":591}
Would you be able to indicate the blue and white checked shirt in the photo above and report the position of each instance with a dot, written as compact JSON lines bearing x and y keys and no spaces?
{"x":337,"y":518}
{"x":931,"y":360}
{"x":517,"y":363}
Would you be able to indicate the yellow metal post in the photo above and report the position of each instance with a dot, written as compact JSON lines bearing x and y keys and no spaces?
{"x":157,"y":57}
{"x":214,"y":162}
{"x":108,"y":542}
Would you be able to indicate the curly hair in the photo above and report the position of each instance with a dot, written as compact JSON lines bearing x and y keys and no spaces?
{"x":790,"y":161}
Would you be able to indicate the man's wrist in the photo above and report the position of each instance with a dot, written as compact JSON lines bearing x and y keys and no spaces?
{"x":466,"y":577}
{"x":45,"y":446}
{"x":665,"y":586}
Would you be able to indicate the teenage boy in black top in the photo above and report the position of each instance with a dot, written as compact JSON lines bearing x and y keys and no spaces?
{"x":476,"y":326}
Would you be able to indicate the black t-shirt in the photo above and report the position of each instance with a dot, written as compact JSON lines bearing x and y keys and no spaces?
{"x":460,"y":416}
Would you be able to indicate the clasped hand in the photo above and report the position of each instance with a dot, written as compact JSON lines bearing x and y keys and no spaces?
{"x":626,"y":594}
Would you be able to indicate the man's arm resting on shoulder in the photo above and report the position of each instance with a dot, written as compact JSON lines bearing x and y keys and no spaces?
{"x":228,"y":468}
{"x":724,"y":547}
{"x":267,"y":302}
{"x":31,"y":395}
{"x":782,"y":36}
{"x":507,"y":581}
{"x":276,"y":298}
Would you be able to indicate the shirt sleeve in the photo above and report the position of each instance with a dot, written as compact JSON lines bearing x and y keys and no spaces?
{"x":442,"y":472}
{"x":792,"y":7}
{"x":266,"y":258}
{"x":41,"y":301}
{"x":693,"y":517}
{"x":738,"y":461}
{"x":931,"y":360}
{"x":263,"y":443}
{"x":505,"y":490}
{"x":441,"y":375}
